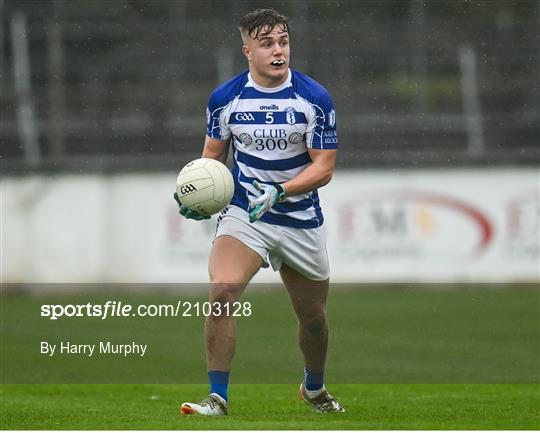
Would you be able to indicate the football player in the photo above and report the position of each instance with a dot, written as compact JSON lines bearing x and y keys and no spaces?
{"x":280,"y":126}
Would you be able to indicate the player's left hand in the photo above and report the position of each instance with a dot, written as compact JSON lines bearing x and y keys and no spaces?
{"x":270,"y":196}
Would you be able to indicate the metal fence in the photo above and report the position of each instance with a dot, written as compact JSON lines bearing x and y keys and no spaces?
{"x":92,"y":85}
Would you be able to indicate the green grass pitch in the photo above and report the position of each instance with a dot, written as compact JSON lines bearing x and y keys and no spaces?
{"x":399,"y":358}
{"x":263,"y":407}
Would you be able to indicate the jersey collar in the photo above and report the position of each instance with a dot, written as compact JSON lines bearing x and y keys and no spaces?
{"x":286,"y":84}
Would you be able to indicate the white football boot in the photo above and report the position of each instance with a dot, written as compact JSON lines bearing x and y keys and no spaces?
{"x":213,"y":405}
{"x":322,"y":402}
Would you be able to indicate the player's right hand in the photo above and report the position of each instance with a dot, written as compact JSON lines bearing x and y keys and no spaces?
{"x":188,"y":213}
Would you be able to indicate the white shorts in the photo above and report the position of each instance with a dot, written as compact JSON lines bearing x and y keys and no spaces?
{"x":301,"y":249}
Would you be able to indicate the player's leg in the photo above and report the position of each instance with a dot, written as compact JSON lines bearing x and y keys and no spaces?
{"x":308,"y":298}
{"x":231,"y":265}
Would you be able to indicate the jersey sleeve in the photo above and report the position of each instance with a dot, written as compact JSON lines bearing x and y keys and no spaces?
{"x":216,"y":125}
{"x":321,"y":132}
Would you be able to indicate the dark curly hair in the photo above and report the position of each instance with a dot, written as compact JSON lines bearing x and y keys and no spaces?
{"x":261,"y":21}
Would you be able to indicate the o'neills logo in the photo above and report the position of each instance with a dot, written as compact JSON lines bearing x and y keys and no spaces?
{"x":411,"y":224}
{"x":269,"y":107}
{"x":187,"y":188}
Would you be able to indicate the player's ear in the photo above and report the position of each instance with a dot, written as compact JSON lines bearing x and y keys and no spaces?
{"x":247,"y":53}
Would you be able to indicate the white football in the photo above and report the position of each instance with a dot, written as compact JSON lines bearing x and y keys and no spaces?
{"x":205,"y":185}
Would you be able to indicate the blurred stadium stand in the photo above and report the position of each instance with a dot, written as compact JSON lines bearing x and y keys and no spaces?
{"x":123,"y":85}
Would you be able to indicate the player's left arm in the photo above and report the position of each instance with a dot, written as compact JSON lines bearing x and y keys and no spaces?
{"x":321,"y":137}
{"x":322,"y":143}
{"x":318,"y":174}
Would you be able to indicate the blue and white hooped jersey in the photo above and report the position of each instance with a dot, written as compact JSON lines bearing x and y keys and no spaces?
{"x":272,"y":130}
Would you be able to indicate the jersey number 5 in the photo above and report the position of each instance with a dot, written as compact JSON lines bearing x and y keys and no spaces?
{"x":269,"y":118}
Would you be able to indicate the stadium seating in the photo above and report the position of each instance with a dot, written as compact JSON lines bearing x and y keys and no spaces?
{"x":135,"y":76}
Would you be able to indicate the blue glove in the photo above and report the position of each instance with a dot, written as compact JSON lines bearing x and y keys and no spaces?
{"x":270,"y":196}
{"x":188,"y":213}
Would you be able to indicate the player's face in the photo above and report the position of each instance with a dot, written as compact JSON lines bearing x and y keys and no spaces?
{"x":268,"y":56}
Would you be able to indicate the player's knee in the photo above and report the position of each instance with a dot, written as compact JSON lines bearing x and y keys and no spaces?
{"x":313,"y":320}
{"x":224,"y":292}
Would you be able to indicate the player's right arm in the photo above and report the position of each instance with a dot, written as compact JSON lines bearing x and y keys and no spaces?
{"x":216,"y":142}
{"x":216,"y":149}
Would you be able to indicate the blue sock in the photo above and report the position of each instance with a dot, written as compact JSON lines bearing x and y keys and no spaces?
{"x":219,"y":383}
{"x":313,"y":381}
